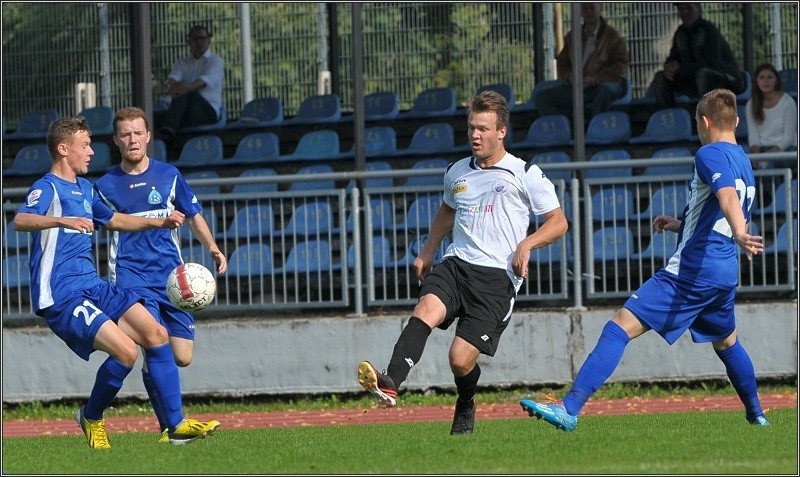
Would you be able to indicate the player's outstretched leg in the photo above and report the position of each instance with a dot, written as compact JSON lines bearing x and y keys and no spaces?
{"x":553,"y":413}
{"x":380,"y":385}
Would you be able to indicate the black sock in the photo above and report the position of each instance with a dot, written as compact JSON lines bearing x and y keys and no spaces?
{"x":468,"y":384}
{"x":408,"y":350}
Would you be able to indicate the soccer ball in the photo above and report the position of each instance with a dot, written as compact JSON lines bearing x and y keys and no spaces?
{"x":191,"y":287}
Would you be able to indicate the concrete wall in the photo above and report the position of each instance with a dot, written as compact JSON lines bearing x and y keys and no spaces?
{"x":320,"y":355}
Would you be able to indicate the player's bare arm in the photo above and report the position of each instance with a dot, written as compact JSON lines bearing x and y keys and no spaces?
{"x":132,"y":223}
{"x":665,"y":222}
{"x":27,"y":222}
{"x":555,"y":225}
{"x":732,"y":209}
{"x":199,"y":228}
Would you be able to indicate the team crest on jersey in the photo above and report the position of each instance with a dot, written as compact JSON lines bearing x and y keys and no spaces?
{"x":33,"y":197}
{"x":500,"y":186}
{"x":87,"y":206}
{"x":154,"y":197}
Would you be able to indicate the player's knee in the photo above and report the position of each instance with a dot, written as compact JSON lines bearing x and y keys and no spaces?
{"x":461,"y":365}
{"x":127,"y":354}
{"x":183,"y":360}
{"x":157,"y":336}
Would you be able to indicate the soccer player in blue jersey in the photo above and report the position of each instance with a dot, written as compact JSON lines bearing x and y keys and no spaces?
{"x":488,"y":201}
{"x":697,"y":288}
{"x":141,"y":261}
{"x":87,"y":313}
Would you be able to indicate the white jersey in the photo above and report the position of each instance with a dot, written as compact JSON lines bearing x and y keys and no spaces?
{"x":493,"y":208}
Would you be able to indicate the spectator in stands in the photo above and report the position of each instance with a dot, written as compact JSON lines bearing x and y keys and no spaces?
{"x":700,"y":60}
{"x":771,"y":114}
{"x":605,"y":64}
{"x":195,"y":86}
{"x":142,"y":261}
{"x":488,"y":200}
{"x":696,"y":291}
{"x":87,"y":313}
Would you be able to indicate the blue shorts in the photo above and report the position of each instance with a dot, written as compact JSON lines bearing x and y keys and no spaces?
{"x":77,"y":320}
{"x":670,"y":307}
{"x":178,"y":323}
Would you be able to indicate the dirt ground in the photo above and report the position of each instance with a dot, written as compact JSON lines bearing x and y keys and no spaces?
{"x":376,"y":415}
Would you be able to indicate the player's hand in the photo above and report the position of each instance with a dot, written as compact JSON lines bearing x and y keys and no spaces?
{"x":519,"y":263}
{"x":751,"y":244}
{"x":174,"y":220}
{"x":220,"y":259}
{"x":81,"y":224}
{"x":665,"y":222}
{"x":422,"y":267}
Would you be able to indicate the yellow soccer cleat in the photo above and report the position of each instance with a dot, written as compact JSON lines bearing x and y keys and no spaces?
{"x":189,"y":430}
{"x":164,"y":439}
{"x":95,"y":431}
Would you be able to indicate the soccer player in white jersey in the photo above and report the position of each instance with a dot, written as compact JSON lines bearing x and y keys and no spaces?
{"x":697,"y":288}
{"x":87,"y":313}
{"x":141,"y":261}
{"x":488,"y":201}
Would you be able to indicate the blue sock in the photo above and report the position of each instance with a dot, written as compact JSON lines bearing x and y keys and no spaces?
{"x":154,"y":400}
{"x":166,"y":380}
{"x":107,"y":384}
{"x":743,"y":378}
{"x":599,"y":365}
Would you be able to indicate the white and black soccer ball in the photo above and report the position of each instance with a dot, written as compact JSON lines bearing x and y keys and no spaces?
{"x":191,"y":287}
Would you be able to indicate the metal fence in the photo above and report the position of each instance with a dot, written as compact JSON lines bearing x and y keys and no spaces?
{"x":343,"y":248}
{"x":67,"y":56}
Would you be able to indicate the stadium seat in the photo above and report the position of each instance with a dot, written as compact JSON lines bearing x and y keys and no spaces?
{"x":381,"y":214}
{"x":503,"y":88}
{"x":781,"y":243}
{"x":530,"y":105}
{"x":185,"y":233}
{"x":101,"y":160}
{"x":203,"y":190}
{"x":319,"y":145}
{"x":259,"y":113}
{"x":554,"y":253}
{"x":778,"y":203}
{"x":554,"y":157}
{"x":201,"y":151}
{"x":310,"y":219}
{"x":789,"y":81}
{"x":434,"y":179}
{"x":627,"y":95}
{"x":381,"y":106}
{"x":374,"y":182}
{"x":379,"y":141}
{"x":420,"y":213}
{"x":15,"y":241}
{"x":31,"y":159}
{"x":16,"y":272}
{"x":685,"y":169}
{"x":251,"y":260}
{"x":741,"y":128}
{"x":381,"y":253}
{"x":313,"y":256}
{"x":251,"y":221}
{"x":612,"y":204}
{"x":612,"y":244}
{"x":661,"y":247}
{"x":256,"y":187}
{"x":256,"y":148}
{"x":609,"y":155}
{"x":666,"y":125}
{"x":667,"y":200}
{"x":196,"y":253}
{"x":33,"y":125}
{"x":314,"y":185}
{"x":160,"y":150}
{"x":431,"y":138}
{"x":217,"y":126}
{"x":609,"y":127}
{"x":432,"y":103}
{"x":553,"y":130}
{"x":415,"y":246}
{"x":317,"y":109}
{"x":740,"y":98}
{"x":100,"y":119}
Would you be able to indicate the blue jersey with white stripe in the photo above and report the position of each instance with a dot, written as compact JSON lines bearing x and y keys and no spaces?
{"x":61,"y":260}
{"x":707,"y":252}
{"x":144,"y":259}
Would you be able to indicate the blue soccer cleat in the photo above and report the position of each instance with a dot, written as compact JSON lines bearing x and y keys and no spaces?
{"x":760,"y":421}
{"x":553,"y":413}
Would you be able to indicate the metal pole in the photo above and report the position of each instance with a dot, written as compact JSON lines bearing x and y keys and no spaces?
{"x":577,"y":84}
{"x":247,"y":53}
{"x":777,"y":41}
{"x":105,"y":56}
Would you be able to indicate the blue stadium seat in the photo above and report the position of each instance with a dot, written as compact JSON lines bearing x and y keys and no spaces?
{"x":196,"y":253}
{"x":612,"y":204}
{"x":431,"y":138}
{"x":789,"y":81}
{"x":100,"y":119}
{"x":666,"y":125}
{"x":160,"y":150}
{"x":778,"y":203}
{"x":310,"y":219}
{"x":259,"y":113}
{"x":381,"y":106}
{"x":609,"y":127}
{"x":553,"y":130}
{"x":627,"y":95}
{"x":380,"y":141}
{"x":609,"y":155}
{"x":741,"y":128}
{"x":16,"y":273}
{"x":415,"y":246}
{"x":434,"y":179}
{"x":101,"y":160}
{"x":685,"y":169}
{"x":432,"y":103}
{"x":185,"y":233}
{"x":381,"y":253}
{"x":661,"y":247}
{"x":781,"y":243}
{"x":554,"y":253}
{"x":31,"y":159}
{"x":203,"y":190}
{"x":503,"y":88}
{"x":554,"y":157}
{"x":313,"y":256}
{"x":256,"y":148}
{"x":319,"y":145}
{"x":13,"y":240}
{"x":381,"y":215}
{"x":217,"y":126}
{"x":251,"y":221}
{"x":530,"y":105}
{"x":667,"y":200}
{"x":33,"y":125}
{"x":317,"y":109}
{"x":314,"y":185}
{"x":201,"y":151}
{"x":420,"y":213}
{"x":375,"y":181}
{"x":251,"y":260}
{"x":256,"y":187}
{"x":612,"y":244}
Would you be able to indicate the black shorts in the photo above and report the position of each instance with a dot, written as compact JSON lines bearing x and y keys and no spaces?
{"x":482,"y":298}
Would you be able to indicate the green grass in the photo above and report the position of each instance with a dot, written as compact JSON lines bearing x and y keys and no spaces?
{"x":719,"y":442}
